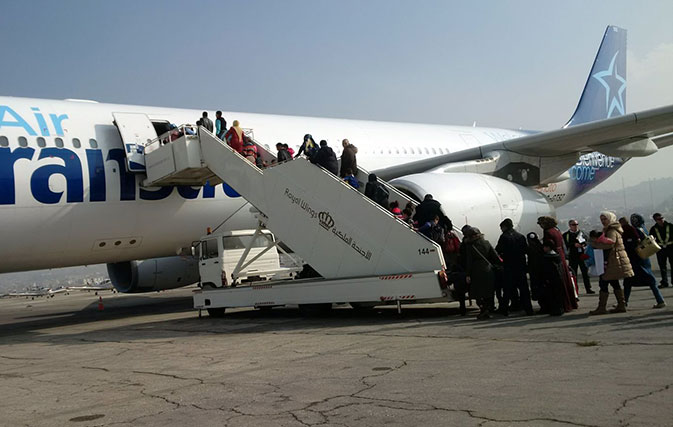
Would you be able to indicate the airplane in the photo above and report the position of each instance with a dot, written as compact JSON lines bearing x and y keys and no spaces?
{"x":71,"y":189}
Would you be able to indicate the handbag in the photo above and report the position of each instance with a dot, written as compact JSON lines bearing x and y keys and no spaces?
{"x":647,"y":247}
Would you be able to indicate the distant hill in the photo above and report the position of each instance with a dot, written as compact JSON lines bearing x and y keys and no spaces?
{"x":644,"y":198}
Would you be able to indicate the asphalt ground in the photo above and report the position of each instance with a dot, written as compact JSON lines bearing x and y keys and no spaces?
{"x":150,"y":360}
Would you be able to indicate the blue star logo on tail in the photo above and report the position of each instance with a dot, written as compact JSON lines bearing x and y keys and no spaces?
{"x":614,"y":85}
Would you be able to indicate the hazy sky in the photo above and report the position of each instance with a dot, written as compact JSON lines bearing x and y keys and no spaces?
{"x":499,"y":63}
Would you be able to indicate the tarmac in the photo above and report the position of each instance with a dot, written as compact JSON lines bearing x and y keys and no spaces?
{"x":150,"y":360}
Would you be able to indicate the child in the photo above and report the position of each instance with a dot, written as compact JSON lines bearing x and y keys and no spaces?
{"x":351,"y":179}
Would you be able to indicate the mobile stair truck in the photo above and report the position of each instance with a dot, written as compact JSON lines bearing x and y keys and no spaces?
{"x":362,"y":253}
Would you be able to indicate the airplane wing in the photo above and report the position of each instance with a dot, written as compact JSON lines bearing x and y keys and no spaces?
{"x":631,"y":135}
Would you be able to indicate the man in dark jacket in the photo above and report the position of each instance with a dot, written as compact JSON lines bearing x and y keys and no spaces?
{"x":427,"y":209}
{"x":576,"y":241}
{"x":283,"y":155}
{"x":512,"y":247}
{"x":663,"y":233}
{"x":348,"y":159}
{"x":376,"y":191}
{"x":206,"y":122}
{"x":326,"y":158}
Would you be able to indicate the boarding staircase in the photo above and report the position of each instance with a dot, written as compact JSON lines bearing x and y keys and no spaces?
{"x":332,"y":226}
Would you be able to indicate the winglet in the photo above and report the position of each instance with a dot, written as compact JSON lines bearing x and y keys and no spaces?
{"x":604,"y":94}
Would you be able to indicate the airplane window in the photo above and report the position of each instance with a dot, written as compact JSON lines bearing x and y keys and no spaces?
{"x":41,"y":142}
{"x":404,"y":150}
{"x":93,"y":143}
{"x":4,"y":142}
{"x":76,"y":143}
{"x":23,"y":142}
{"x":58,"y":142}
{"x":397,"y":151}
{"x":434,"y":151}
{"x":427,"y":151}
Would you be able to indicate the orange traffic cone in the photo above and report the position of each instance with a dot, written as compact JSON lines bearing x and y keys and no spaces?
{"x":100,"y":304}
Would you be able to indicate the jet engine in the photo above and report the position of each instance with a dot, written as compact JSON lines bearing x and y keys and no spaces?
{"x":481,"y":201}
{"x":153,"y":274}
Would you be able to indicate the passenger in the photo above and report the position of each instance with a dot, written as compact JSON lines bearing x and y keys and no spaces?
{"x":551,"y":232}
{"x":220,"y":125}
{"x":428,"y":208}
{"x":249,"y":150}
{"x":282,"y":154}
{"x":406,"y":216}
{"x":663,"y":233}
{"x":234,"y":137}
{"x":576,"y":242}
{"x":326,"y":158}
{"x":596,"y":261}
{"x":433,"y":231}
{"x":175,"y":133}
{"x":376,"y":191}
{"x":308,"y":146}
{"x":617,"y":264}
{"x":206,"y":122}
{"x":535,"y":255}
{"x":395,"y":208}
{"x":351,"y":179}
{"x":480,"y":260}
{"x":451,"y":246}
{"x":642,"y":268}
{"x":289,"y":150}
{"x":639,"y":223}
{"x":552,"y":295}
{"x":348,"y":159}
{"x":512,"y":248}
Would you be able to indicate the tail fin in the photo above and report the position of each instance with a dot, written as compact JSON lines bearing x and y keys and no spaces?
{"x":604,"y":93}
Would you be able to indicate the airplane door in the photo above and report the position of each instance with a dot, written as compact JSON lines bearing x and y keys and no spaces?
{"x":136,"y":131}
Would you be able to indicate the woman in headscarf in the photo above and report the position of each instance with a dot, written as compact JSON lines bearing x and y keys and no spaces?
{"x":617,"y":264}
{"x":234,"y":137}
{"x":642,"y":268}
{"x":552,"y":233}
{"x":480,"y":258}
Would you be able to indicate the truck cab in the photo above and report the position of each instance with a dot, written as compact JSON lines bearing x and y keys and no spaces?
{"x":232,"y":257}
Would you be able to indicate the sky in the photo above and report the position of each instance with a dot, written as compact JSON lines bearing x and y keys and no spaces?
{"x":513,"y":64}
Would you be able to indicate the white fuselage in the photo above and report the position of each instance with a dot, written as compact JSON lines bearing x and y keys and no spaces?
{"x":67,"y":199}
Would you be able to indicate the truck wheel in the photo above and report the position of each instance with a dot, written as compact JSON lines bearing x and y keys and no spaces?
{"x":315,"y":309}
{"x":216,"y":312}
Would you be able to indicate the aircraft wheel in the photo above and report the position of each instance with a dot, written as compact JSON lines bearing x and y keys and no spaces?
{"x":216,"y":312}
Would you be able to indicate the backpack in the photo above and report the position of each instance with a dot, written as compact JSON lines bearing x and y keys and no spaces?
{"x":310,"y":149}
{"x":381,"y":194}
{"x":437,"y":234}
{"x":451,"y":243}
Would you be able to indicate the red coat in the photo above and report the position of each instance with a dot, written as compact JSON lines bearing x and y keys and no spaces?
{"x":569,"y":300}
{"x":233,"y":140}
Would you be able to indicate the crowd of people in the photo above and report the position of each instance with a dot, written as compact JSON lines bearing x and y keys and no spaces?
{"x":520,"y":269}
